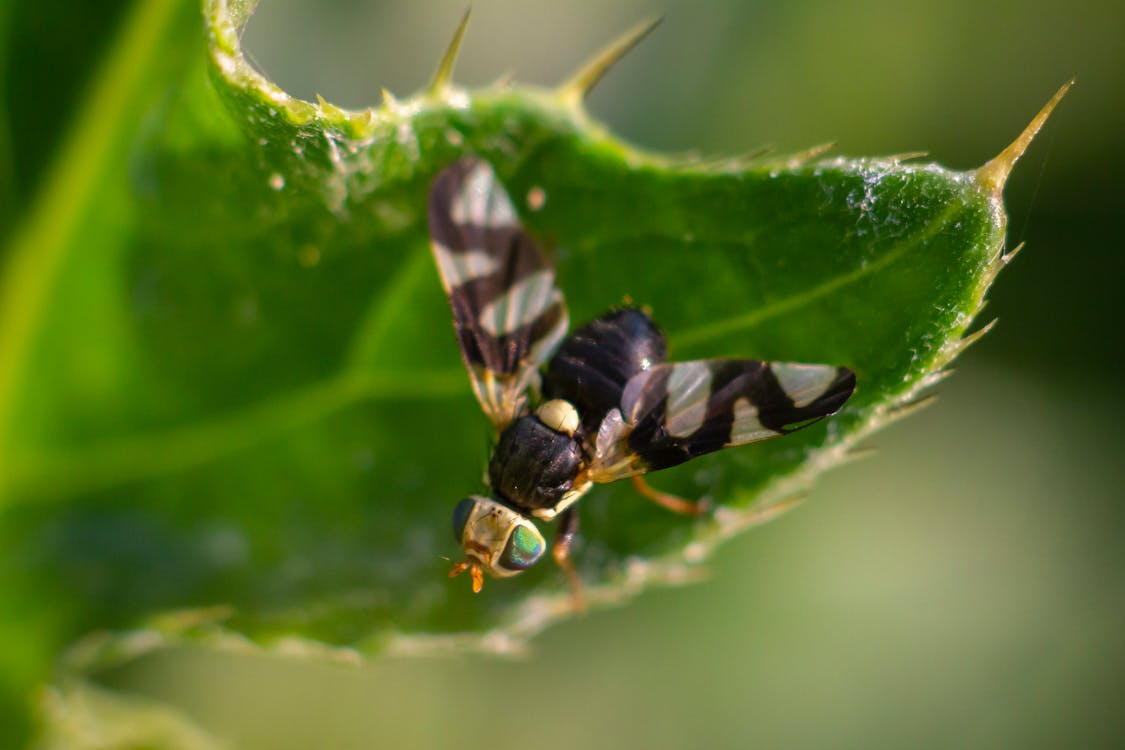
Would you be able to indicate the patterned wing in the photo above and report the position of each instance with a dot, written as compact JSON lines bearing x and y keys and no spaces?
{"x":507,"y":312}
{"x":673,"y":412}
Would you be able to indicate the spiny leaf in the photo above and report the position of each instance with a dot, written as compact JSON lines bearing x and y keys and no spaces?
{"x":231,"y":406}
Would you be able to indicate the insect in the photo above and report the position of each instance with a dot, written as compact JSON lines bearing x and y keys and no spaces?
{"x":607,"y":406}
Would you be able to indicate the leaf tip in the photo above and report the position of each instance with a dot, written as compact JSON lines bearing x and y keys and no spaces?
{"x":443,"y":76}
{"x":1009,"y":256}
{"x":579,"y":85}
{"x":969,"y":339}
{"x":994,"y":174}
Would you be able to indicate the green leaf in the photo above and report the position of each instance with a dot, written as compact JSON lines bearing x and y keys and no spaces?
{"x":36,"y":100}
{"x":231,"y":405}
{"x":78,"y":715}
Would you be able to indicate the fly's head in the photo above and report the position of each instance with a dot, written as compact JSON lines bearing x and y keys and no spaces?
{"x":496,"y":539}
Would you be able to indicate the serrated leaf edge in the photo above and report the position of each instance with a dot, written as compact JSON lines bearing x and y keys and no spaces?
{"x":540,"y":611}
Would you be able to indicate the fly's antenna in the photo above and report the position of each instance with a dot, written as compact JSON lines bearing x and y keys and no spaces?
{"x":475,"y":573}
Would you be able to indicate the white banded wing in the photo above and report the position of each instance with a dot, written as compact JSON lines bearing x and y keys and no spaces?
{"x":508,"y":315}
{"x":676,"y":411}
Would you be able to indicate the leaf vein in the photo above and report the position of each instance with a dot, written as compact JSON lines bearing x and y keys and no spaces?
{"x":748,"y":320}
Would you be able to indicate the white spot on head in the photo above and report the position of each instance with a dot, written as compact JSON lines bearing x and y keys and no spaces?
{"x":559,"y":415}
{"x":489,"y":525}
{"x":277,"y":182}
{"x":536,"y":198}
{"x":482,"y":202}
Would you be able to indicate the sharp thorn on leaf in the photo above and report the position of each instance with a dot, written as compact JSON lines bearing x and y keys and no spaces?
{"x":443,"y":76}
{"x":575,"y":89}
{"x":994,"y":174}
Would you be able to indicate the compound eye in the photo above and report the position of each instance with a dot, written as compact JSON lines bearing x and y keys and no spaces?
{"x":461,"y":516}
{"x":524,"y":548}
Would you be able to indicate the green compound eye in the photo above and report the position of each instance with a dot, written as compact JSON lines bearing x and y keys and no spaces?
{"x":461,"y":515}
{"x":524,"y":548}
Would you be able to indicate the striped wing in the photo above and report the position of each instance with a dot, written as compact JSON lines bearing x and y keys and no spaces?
{"x":673,"y":412}
{"x":507,"y":312}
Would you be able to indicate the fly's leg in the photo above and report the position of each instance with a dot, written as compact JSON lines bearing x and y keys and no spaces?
{"x":673,"y":503}
{"x":568,"y":528}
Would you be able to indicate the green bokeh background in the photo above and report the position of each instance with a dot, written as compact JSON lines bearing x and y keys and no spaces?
{"x":965,"y":587}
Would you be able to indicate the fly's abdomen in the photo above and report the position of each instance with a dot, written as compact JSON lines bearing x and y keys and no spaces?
{"x":595,"y":362}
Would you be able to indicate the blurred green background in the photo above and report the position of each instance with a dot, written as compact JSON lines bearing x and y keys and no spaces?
{"x":965,"y":587}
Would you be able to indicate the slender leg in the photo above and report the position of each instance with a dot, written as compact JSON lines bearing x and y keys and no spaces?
{"x":568,"y":527}
{"x":671,"y":502}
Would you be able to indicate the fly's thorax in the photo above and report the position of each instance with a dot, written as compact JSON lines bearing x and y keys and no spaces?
{"x":502,"y":540}
{"x":538,"y":457}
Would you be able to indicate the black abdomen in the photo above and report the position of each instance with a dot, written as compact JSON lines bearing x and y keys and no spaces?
{"x":595,"y":362}
{"x":533,"y":466}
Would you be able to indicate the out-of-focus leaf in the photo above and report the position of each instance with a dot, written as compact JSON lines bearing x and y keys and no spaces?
{"x":78,"y":715}
{"x":38,"y":99}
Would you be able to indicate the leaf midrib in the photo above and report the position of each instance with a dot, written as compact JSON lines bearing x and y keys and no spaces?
{"x":131,"y":458}
{"x":745,"y":321}
{"x":136,"y":457}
